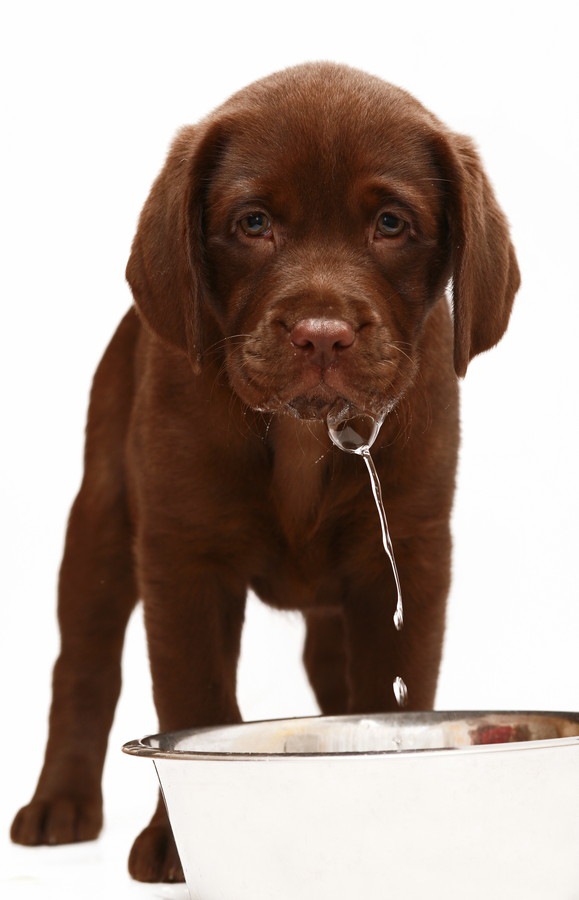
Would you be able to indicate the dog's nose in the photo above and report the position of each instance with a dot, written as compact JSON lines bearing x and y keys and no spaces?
{"x":322,"y":339}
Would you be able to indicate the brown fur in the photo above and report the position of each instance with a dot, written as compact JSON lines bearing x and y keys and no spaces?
{"x":208,"y":467}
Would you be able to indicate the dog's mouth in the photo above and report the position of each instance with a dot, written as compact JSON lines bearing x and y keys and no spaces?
{"x":308,"y":392}
{"x":317,"y":403}
{"x":320,"y":405}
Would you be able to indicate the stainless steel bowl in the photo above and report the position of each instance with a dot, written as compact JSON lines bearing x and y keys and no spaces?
{"x":460,"y":806}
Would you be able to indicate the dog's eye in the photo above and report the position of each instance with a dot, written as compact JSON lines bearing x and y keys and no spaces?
{"x":255,"y":224}
{"x":389,"y":225}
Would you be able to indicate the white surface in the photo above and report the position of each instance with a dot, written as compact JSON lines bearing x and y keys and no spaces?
{"x":91,"y":98}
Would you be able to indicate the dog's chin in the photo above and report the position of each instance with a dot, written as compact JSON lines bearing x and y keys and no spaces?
{"x":305,"y":407}
{"x":317,"y":407}
{"x":309,"y":407}
{"x":314,"y":404}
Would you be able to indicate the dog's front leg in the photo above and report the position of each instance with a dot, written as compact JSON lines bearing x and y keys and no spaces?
{"x":194,"y":615}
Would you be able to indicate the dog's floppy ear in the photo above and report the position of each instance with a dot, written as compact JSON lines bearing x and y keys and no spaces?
{"x":485,"y":271}
{"x":165,"y":268}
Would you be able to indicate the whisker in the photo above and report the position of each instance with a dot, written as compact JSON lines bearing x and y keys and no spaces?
{"x":214,"y":348}
{"x":397,"y":345}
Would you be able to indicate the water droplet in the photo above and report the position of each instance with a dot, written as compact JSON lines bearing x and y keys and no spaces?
{"x":351,"y":430}
{"x":400,"y":691}
{"x":399,"y":616}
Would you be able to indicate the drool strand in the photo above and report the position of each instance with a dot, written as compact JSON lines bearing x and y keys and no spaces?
{"x":355,"y":433}
{"x":386,"y":540}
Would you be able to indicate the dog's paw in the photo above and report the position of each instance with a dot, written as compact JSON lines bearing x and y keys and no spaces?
{"x":61,"y":820}
{"x":154,"y":856}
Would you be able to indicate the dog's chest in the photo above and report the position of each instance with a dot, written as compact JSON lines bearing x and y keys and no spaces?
{"x":316,"y":497}
{"x":300,"y":576}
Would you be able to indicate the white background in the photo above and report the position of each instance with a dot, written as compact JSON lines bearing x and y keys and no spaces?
{"x":91,"y":96}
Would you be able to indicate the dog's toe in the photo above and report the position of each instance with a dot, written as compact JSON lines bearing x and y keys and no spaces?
{"x":154,"y":856}
{"x":61,"y":820}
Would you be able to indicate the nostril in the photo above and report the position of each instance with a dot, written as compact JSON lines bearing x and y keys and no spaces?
{"x":322,"y":335}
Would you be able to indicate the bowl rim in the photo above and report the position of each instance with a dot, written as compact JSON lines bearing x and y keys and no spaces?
{"x":145,"y":747}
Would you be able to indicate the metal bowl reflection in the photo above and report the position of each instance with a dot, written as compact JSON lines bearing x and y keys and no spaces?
{"x":404,"y":805}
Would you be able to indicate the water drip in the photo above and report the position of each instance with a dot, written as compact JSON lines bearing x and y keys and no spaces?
{"x":355,"y":432}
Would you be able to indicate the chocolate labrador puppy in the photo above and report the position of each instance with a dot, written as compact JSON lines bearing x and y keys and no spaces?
{"x":294,"y":253}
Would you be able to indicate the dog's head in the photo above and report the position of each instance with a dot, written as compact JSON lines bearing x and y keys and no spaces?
{"x":310,"y":224}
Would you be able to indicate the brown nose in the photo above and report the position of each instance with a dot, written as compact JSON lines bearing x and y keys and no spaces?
{"x":322,"y":339}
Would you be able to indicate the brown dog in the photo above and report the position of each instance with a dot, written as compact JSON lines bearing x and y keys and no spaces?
{"x":294,"y":250}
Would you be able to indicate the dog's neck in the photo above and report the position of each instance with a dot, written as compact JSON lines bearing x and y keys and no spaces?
{"x":299,"y":451}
